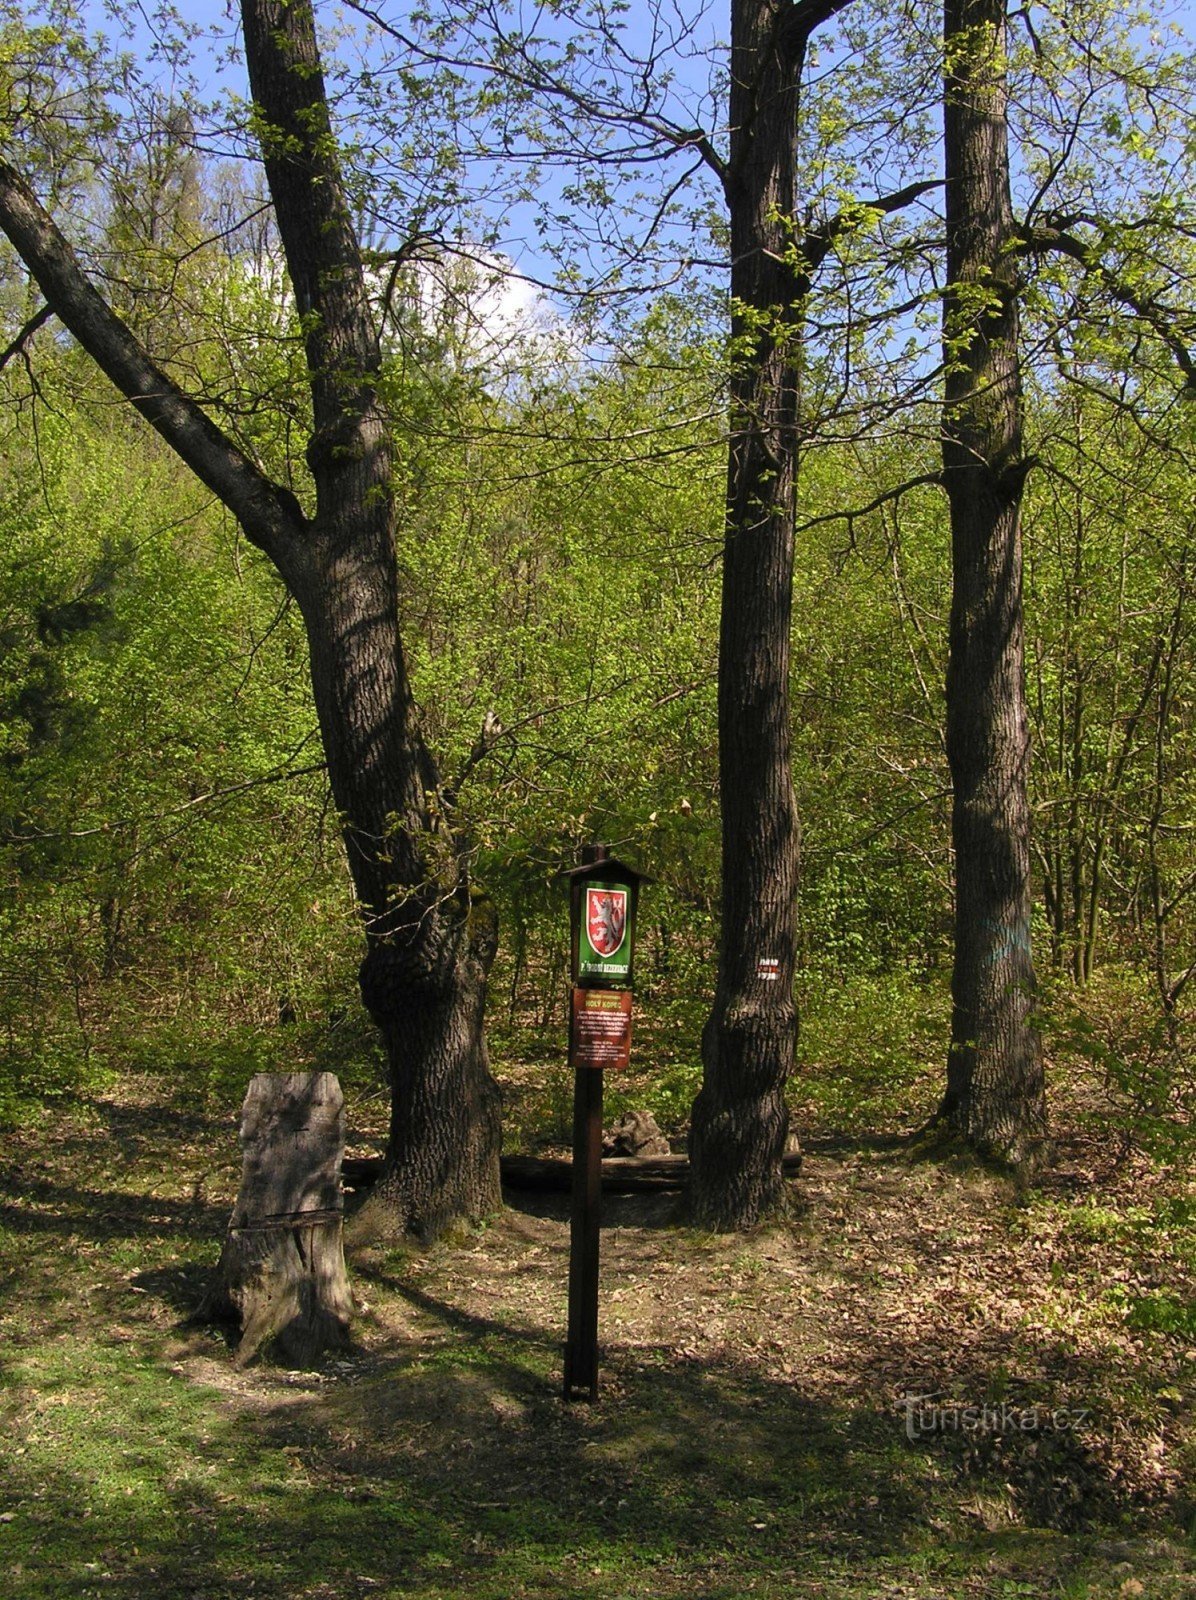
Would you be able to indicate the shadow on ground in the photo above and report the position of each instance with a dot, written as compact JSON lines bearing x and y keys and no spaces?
{"x":447,"y":1467}
{"x":436,"y":1461}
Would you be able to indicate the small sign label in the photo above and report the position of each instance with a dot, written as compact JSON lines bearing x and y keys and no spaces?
{"x":601,"y":1032}
{"x":605,"y":943}
{"x":769,"y":968}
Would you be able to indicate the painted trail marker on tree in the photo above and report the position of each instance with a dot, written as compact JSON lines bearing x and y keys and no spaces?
{"x":604,"y":893}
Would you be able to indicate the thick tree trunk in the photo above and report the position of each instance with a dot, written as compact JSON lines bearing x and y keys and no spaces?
{"x":995,"y":1094}
{"x":739,"y":1120}
{"x":442,"y":1156}
{"x":429,"y":936}
{"x":430,"y":939}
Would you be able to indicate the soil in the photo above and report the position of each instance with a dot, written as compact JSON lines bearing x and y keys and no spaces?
{"x":918,"y":1352}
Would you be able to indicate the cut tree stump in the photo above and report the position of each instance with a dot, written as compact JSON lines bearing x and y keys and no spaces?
{"x":282,"y":1270}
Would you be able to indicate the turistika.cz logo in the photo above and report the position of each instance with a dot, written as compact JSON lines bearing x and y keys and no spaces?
{"x":927,"y":1413}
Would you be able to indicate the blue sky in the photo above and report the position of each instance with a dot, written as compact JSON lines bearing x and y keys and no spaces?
{"x":522,"y":231}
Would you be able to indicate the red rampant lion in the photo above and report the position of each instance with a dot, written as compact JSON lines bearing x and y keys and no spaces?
{"x":606,"y":919}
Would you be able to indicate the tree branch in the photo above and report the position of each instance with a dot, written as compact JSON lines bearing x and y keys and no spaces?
{"x":17,"y":347}
{"x":852,"y":516}
{"x":268,"y":512}
{"x":534,"y":76}
{"x":805,"y":16}
{"x":818,"y":241}
{"x":1048,"y":237}
{"x":123,"y":824}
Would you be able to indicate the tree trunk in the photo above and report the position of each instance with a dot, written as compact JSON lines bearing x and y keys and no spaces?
{"x":739,"y":1120}
{"x":445,"y":1132}
{"x":994,"y":1095}
{"x":429,"y":934}
{"x":430,"y":938}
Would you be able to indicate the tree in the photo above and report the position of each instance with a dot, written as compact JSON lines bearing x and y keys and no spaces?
{"x":1099,"y":89}
{"x":1108,"y":567}
{"x":601,"y":102}
{"x":995,"y":1093}
{"x":740,"y":1119}
{"x":430,"y":934}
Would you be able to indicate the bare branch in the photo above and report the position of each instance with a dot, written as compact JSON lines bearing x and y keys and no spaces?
{"x":17,"y":347}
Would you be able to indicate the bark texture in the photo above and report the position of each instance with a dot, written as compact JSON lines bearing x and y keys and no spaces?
{"x":995,"y":1095}
{"x":282,"y":1270}
{"x":430,"y":936}
{"x":739,"y":1122}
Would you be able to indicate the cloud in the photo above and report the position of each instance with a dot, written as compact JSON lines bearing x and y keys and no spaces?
{"x":481,"y":313}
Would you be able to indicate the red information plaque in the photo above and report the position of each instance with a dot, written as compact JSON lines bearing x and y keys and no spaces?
{"x":601,"y":1032}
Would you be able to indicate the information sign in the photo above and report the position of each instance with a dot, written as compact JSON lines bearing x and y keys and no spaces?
{"x":601,"y":1032}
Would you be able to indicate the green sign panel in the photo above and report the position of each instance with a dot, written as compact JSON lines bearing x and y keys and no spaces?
{"x":604,"y":942}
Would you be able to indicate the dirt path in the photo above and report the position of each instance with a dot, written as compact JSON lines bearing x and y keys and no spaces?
{"x":756,"y":1432}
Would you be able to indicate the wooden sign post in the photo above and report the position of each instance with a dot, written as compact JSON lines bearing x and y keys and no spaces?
{"x":603,"y":898}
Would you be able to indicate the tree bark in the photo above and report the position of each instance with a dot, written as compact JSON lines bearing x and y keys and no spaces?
{"x":739,"y":1121}
{"x":430,"y":936}
{"x":282,"y":1270}
{"x":995,"y":1095}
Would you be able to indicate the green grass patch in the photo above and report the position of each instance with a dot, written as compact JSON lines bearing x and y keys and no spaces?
{"x":436,"y":1461}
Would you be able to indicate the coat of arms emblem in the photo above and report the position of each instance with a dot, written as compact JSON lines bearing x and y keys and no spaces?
{"x":606,"y":919}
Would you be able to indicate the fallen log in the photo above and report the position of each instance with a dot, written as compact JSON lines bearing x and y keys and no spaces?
{"x":554,"y":1174}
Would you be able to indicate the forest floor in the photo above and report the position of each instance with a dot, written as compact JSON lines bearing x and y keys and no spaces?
{"x":926,"y":1383}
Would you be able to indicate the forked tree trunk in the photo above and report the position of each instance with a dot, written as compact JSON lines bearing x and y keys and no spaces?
{"x":429,"y":936}
{"x":995,"y":1095}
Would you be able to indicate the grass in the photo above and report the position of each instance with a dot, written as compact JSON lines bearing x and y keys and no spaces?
{"x":750,"y":1440}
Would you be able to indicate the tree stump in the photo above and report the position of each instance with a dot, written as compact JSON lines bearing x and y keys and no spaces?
{"x":636,"y":1133}
{"x":282,"y":1270}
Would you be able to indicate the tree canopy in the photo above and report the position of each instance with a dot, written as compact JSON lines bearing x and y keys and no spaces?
{"x":549,"y":509}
